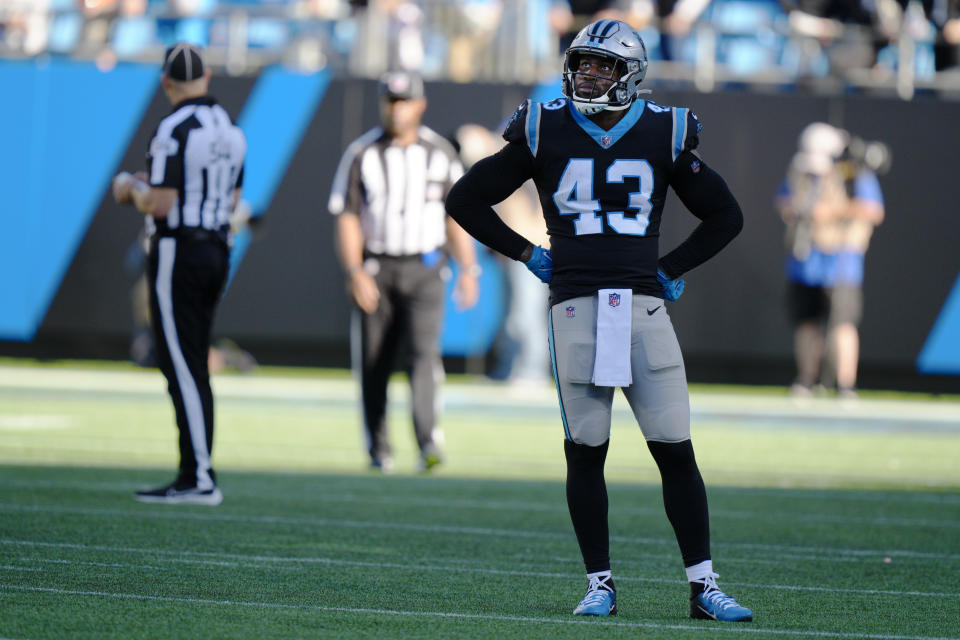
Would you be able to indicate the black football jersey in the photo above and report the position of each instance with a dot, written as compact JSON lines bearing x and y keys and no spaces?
{"x":602,"y":192}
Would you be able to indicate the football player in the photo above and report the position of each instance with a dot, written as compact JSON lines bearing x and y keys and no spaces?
{"x":602,"y":159}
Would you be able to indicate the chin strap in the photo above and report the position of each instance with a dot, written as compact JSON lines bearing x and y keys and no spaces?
{"x":590,"y":108}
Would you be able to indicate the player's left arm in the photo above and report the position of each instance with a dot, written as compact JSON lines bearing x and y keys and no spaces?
{"x":489,"y":182}
{"x":706,"y":195}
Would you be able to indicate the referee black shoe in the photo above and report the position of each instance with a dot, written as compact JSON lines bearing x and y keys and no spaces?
{"x":180,"y":493}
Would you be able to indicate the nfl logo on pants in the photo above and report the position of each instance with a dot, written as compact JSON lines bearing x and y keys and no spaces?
{"x":614,"y":300}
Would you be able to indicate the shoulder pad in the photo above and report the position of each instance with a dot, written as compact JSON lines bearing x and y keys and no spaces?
{"x":656,"y":108}
{"x":524,"y":126}
{"x":555,"y":104}
{"x":686,"y":131}
{"x":514,"y":131}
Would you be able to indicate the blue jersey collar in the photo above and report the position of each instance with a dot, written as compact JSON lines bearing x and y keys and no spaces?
{"x":607,"y":139}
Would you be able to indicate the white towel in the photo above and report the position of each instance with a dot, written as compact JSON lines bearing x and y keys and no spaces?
{"x":611,"y":367}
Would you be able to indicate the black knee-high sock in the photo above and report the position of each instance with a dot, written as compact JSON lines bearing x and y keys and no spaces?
{"x":684,"y":498}
{"x":587,"y":501}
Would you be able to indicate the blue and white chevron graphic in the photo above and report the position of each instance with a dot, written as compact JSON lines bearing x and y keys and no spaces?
{"x":941,"y":351}
{"x":274,"y":118}
{"x":59,"y":163}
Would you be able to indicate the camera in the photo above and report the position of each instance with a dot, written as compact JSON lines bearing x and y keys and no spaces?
{"x":868,"y":154}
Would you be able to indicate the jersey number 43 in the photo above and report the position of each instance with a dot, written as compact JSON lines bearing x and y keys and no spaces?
{"x":574,"y":196}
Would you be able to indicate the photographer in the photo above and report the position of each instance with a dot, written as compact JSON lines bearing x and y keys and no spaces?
{"x":831,"y":202}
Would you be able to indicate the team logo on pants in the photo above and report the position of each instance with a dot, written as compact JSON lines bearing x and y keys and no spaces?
{"x":614,"y":300}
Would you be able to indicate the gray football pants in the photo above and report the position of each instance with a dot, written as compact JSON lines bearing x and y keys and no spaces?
{"x":658,"y":396}
{"x":407,"y":321}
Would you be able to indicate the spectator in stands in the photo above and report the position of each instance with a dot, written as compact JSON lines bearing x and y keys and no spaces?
{"x":677,"y":18}
{"x":934,"y":25}
{"x":905,"y":23}
{"x":473,"y":29}
{"x":949,"y":56}
{"x":542,"y":43}
{"x":586,"y":11}
{"x":24,"y":26}
{"x":835,"y":36}
{"x":405,"y":34}
{"x":390,"y":36}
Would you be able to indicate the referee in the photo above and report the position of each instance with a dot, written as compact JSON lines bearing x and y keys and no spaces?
{"x":388,"y":195}
{"x":193,"y":184}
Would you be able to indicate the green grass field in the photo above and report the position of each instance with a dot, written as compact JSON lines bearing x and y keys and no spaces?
{"x":828,"y":520}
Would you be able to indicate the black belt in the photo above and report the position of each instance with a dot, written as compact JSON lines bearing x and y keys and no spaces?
{"x":194,"y":233}
{"x":406,"y":256}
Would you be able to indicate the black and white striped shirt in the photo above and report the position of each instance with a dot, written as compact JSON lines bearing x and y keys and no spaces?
{"x":398,"y":192}
{"x":198,"y":151}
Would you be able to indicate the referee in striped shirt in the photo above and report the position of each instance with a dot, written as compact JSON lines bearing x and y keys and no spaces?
{"x":388,"y":195}
{"x":192,"y":186}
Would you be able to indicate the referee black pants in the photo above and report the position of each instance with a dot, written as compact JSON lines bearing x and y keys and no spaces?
{"x":186,"y":276}
{"x":408,"y":320}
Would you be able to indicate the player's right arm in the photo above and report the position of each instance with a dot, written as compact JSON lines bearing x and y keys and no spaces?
{"x":491,"y":181}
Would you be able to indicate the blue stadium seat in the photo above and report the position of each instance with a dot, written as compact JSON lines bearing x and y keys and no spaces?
{"x":923,"y":61}
{"x":65,"y":32}
{"x":267,"y":33}
{"x":256,"y":3}
{"x":743,"y":17}
{"x":743,"y":56}
{"x":195,"y":30}
{"x":748,"y":38}
{"x":132,"y":36}
{"x":651,"y":39}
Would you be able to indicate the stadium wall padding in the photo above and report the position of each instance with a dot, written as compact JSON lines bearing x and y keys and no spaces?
{"x":287,"y":302}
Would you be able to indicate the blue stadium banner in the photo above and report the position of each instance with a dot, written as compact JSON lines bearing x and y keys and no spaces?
{"x":56,"y":167}
{"x":941,"y":351}
{"x":274,"y":120}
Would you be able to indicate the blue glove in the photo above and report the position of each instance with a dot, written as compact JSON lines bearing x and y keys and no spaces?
{"x":672,"y":289}
{"x":540,"y":263}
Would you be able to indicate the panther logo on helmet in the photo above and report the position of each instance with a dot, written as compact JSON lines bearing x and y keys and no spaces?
{"x":618,"y":42}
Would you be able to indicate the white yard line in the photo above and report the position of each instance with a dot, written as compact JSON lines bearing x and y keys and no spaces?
{"x":106,"y":565}
{"x":826,"y":552}
{"x":256,"y":562}
{"x":500,"y":505}
{"x":265,"y":387}
{"x":470,"y":616}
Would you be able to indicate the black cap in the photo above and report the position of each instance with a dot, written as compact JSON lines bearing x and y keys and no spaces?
{"x":183,"y":62}
{"x":401,"y":85}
